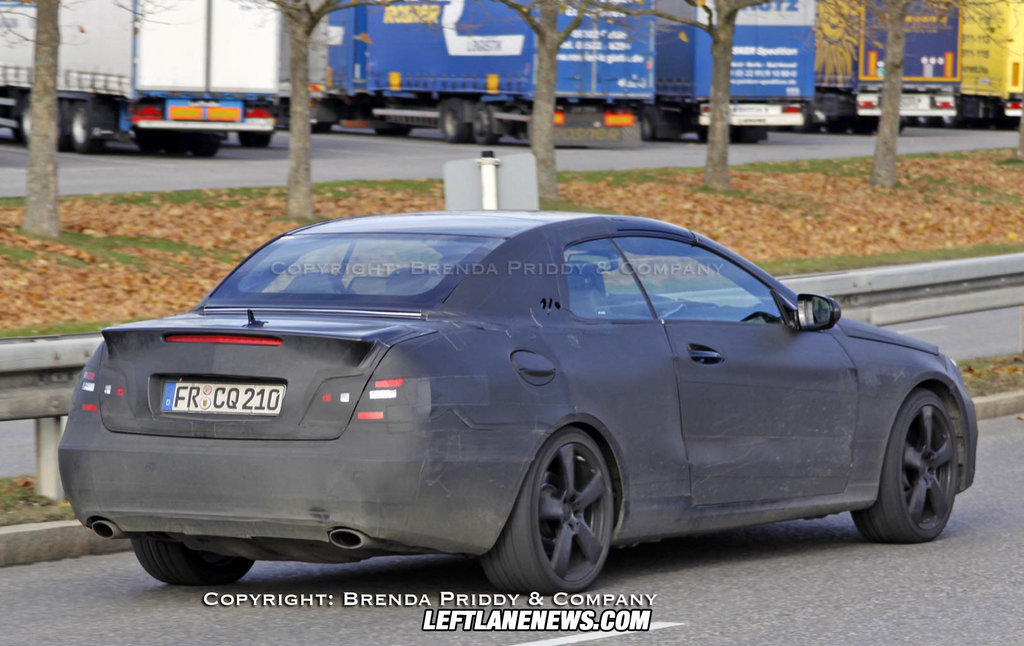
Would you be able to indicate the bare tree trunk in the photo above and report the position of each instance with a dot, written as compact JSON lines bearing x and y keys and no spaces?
{"x":300,"y":186}
{"x":716,"y":167}
{"x":41,"y":194}
{"x":883,"y":172}
{"x":1020,"y":139}
{"x":542,"y":119}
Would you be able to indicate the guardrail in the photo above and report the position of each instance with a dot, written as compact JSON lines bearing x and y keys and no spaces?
{"x":900,"y":294}
{"x":36,"y":378}
{"x":36,"y":375}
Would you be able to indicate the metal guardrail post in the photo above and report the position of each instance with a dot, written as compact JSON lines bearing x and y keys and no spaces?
{"x":48,"y":433}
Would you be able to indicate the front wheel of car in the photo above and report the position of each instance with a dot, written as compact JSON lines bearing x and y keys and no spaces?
{"x":178,"y":565}
{"x":559,"y":532}
{"x":919,"y":475}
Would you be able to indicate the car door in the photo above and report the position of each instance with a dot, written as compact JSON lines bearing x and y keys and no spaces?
{"x":621,"y":368}
{"x":767,"y":413}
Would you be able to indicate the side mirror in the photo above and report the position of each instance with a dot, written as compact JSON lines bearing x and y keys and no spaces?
{"x":814,"y":312}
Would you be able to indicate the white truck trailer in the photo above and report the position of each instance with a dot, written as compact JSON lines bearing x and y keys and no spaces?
{"x":172,"y":76}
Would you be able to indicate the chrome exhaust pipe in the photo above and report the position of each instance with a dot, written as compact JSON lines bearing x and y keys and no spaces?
{"x":348,"y":539}
{"x":106,"y":529}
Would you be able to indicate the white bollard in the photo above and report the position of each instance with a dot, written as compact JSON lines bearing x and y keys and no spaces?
{"x":488,"y":164}
{"x":48,"y":433}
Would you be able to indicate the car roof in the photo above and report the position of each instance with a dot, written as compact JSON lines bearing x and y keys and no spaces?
{"x":497,"y":224}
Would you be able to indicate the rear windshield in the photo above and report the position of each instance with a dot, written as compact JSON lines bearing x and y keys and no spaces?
{"x":354,"y":270}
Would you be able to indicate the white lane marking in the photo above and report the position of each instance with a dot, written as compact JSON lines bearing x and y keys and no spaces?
{"x":927,"y":328}
{"x":587,"y":637}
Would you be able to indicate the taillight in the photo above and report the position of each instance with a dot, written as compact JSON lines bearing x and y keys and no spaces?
{"x":792,"y":109}
{"x":383,"y":389}
{"x":146,"y":112}
{"x":705,"y":109}
{"x":559,"y":118}
{"x":1013,"y":105}
{"x":944,"y":105}
{"x":234,"y":339}
{"x":258,"y":113}
{"x":867,"y":104}
{"x":618,"y":119}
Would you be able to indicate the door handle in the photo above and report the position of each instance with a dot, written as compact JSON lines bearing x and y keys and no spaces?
{"x":534,"y":368}
{"x":703,"y":355}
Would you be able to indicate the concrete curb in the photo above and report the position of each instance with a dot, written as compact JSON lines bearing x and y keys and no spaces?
{"x":59,"y":539}
{"x":1000,"y":404}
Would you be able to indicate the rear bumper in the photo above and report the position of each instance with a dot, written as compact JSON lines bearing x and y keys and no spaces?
{"x":447,"y":490}
{"x":769,"y":115}
{"x":250,"y":125}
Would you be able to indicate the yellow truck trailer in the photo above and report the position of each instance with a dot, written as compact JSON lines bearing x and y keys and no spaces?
{"x":992,"y":81}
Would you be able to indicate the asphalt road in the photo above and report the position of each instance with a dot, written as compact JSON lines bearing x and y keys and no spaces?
{"x":355,"y":155}
{"x":804,"y":582}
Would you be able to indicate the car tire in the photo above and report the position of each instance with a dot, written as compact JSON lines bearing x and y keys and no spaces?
{"x":176,"y":564}
{"x":919,"y":475}
{"x":255,"y":139}
{"x":558,"y":534}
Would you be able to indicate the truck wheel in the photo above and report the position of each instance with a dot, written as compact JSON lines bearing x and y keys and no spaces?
{"x":393,"y":130}
{"x":65,"y":140}
{"x":24,"y":130}
{"x":747,"y":134}
{"x":702,"y":134}
{"x":837,"y":126}
{"x":203,"y":145}
{"x":149,"y":142}
{"x":649,"y":123}
{"x":254,"y":139}
{"x":63,"y":129}
{"x":560,"y":529}
{"x":454,"y":129}
{"x":81,"y":131}
{"x":178,"y":565}
{"x":175,"y":143}
{"x":865,"y":125}
{"x":919,"y":475}
{"x":485,"y":125}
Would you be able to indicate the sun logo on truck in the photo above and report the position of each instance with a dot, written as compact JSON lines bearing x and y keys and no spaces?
{"x":835,"y":35}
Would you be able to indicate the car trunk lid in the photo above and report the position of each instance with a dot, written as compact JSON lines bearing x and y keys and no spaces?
{"x":319,"y":367}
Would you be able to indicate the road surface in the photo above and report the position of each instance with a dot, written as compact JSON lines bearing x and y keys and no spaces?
{"x":804,"y":582}
{"x":341,"y":156}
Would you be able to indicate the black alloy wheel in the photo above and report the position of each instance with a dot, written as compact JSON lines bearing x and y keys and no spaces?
{"x":559,"y":532}
{"x":919,"y":477}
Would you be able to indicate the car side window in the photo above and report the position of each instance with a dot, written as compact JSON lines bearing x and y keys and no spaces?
{"x":686,"y":282}
{"x":601,"y":285}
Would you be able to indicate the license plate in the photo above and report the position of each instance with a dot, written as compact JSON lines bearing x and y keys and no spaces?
{"x":914,"y":102}
{"x":221,"y":398}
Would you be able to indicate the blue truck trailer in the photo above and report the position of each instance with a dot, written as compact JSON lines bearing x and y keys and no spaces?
{"x":468,"y":69}
{"x":850,"y":63}
{"x":772,"y":80}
